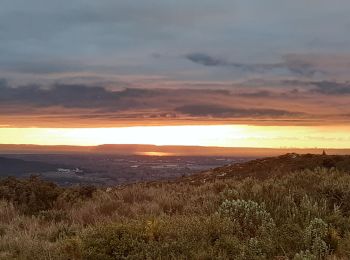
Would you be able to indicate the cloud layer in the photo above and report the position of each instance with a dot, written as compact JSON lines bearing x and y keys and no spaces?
{"x":85,"y":62}
{"x":75,"y":105}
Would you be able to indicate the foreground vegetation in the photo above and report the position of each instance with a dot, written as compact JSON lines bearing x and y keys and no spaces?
{"x":302,"y":215}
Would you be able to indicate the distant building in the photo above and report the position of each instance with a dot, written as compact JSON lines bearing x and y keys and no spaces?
{"x":62,"y":170}
{"x":77,"y":171}
{"x":68,"y":171}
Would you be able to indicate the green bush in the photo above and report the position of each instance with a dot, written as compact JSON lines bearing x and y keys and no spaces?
{"x":252,"y":218}
{"x":31,"y":195}
{"x":117,"y":241}
{"x":307,"y":255}
{"x":315,"y":235}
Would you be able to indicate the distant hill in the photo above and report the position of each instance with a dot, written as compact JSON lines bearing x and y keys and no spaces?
{"x":136,"y":149}
{"x":275,"y":166}
{"x":44,"y":149}
{"x":18,"y":168}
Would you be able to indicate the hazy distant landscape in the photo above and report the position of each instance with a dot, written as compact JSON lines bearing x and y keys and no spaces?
{"x":108,"y":165}
{"x":108,"y":169}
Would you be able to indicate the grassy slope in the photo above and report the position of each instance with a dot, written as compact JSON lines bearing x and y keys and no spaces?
{"x":275,"y":166}
{"x":302,"y":215}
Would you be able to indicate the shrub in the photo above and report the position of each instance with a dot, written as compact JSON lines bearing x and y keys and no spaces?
{"x":114,"y":242}
{"x":29,"y":196}
{"x":71,"y":248}
{"x":7,"y":212}
{"x":315,"y":235}
{"x":289,"y":237}
{"x":53,"y":215}
{"x":252,"y":219}
{"x":75,"y":194}
{"x":344,"y":246}
{"x":307,"y":255}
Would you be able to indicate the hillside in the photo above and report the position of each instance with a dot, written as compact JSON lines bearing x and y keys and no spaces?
{"x":275,"y":166}
{"x":17,"y":167}
{"x":302,"y":215}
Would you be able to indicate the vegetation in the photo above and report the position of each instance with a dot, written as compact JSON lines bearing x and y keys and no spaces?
{"x":300,"y":215}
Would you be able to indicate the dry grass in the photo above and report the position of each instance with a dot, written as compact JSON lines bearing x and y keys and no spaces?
{"x":181,"y":221}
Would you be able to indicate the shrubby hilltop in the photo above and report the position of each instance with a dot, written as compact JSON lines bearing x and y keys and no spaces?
{"x":298,"y":209}
{"x":275,"y":166}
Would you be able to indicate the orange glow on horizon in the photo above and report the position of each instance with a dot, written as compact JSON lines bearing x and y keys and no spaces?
{"x":155,"y":154}
{"x":192,"y":135}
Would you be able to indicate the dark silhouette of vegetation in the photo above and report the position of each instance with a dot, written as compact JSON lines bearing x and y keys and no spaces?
{"x":30,"y":195}
{"x":295,"y":215}
{"x":33,"y":195}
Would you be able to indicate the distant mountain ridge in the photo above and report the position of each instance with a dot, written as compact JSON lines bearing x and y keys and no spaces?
{"x":137,"y":149}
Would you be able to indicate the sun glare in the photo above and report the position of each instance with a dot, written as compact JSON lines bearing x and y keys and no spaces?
{"x":211,"y":135}
{"x":156,"y":154}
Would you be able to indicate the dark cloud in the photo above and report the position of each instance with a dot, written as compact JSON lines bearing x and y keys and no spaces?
{"x":99,"y":105}
{"x":291,"y":63}
{"x":331,"y":88}
{"x":207,"y":60}
{"x":230,"y":112}
{"x":72,"y":96}
{"x":299,"y":65}
{"x":321,"y":87}
{"x":258,"y":94}
{"x":95,"y":97}
{"x":273,"y":94}
{"x":78,"y":96}
{"x":100,"y":102}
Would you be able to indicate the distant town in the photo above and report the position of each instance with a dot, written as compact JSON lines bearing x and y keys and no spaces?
{"x":70,"y":171}
{"x":104,"y":169}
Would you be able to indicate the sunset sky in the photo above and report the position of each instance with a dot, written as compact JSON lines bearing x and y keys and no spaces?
{"x":232,"y":73}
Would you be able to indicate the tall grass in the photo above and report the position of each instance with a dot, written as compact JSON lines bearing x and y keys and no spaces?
{"x":303,"y":215}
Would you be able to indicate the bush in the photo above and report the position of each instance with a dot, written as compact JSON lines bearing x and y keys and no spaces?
{"x":30,"y":196}
{"x":252,"y":219}
{"x":114,"y":242}
{"x":71,"y":248}
{"x":307,"y":255}
{"x":53,"y":215}
{"x":315,"y":235}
